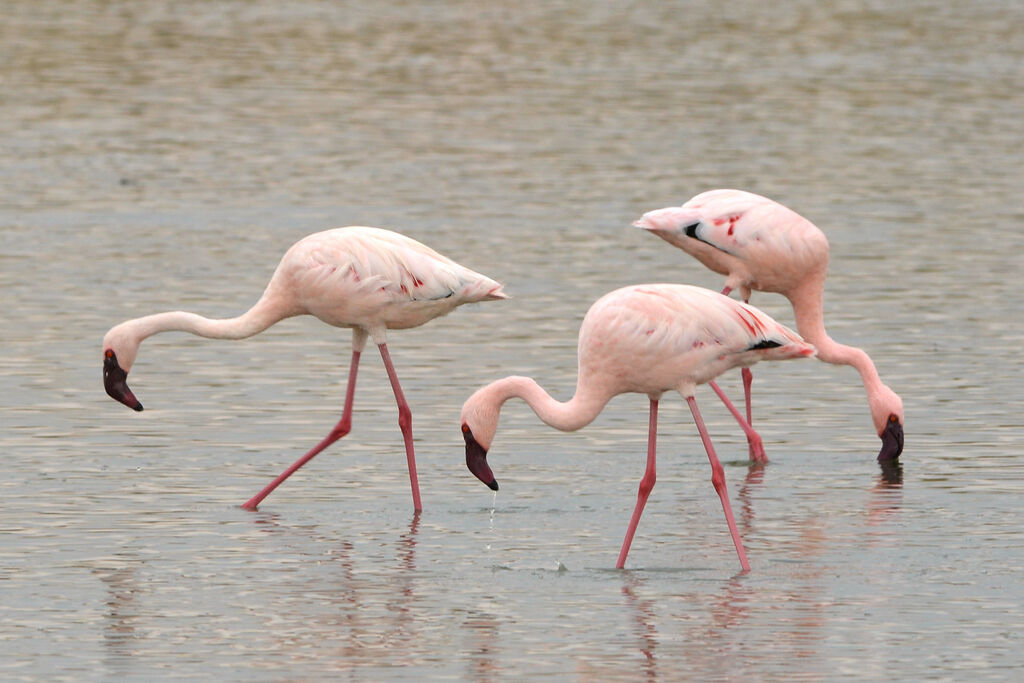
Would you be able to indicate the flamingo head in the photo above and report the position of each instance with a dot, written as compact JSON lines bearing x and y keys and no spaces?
{"x":479,"y":425}
{"x":119,"y":351}
{"x":887,"y":413}
{"x":476,"y":459}
{"x":892,"y":440}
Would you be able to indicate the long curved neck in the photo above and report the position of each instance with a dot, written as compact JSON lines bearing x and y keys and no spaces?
{"x":808,"y":309}
{"x":258,"y":318}
{"x":576,"y":413}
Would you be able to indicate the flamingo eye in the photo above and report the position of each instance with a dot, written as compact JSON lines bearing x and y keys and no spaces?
{"x":893,"y":418}
{"x":109,"y":353}
{"x":465,"y":429}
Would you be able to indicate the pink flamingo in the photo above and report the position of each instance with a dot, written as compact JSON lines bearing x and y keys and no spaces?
{"x":759,"y":244}
{"x":368,"y":279}
{"x":645,"y":339}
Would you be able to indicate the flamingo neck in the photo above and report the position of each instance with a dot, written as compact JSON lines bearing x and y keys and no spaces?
{"x":568,"y":416}
{"x":810,"y":322}
{"x":255,"y":320}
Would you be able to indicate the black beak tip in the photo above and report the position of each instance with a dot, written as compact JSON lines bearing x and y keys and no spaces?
{"x":892,"y":442}
{"x":476,"y":460}
{"x":115,"y":381}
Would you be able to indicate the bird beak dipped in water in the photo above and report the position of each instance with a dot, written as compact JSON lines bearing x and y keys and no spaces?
{"x":892,"y":440}
{"x":476,"y":459}
{"x":115,"y":381}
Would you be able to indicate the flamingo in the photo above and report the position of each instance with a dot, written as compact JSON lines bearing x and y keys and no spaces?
{"x":367,"y":279}
{"x":759,"y":244}
{"x":645,"y":339}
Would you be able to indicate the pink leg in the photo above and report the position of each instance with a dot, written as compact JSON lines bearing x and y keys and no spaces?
{"x":753,"y":438}
{"x":405,"y":424}
{"x":718,"y":479}
{"x":748,"y":379}
{"x":646,"y":484}
{"x":756,"y":451}
{"x":341,"y":429}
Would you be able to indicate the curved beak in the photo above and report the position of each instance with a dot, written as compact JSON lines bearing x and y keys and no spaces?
{"x":115,"y":381}
{"x":476,"y":459}
{"x":892,"y":440}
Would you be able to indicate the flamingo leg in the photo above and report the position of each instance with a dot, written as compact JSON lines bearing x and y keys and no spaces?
{"x":405,"y":424}
{"x":341,"y":429}
{"x":757,"y":453}
{"x":646,"y":485}
{"x":756,"y":449}
{"x":748,"y":379}
{"x":718,"y":480}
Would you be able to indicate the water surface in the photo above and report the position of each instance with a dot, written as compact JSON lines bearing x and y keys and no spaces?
{"x":161,"y":156}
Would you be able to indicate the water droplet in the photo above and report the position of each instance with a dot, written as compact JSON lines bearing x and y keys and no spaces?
{"x":493,"y":506}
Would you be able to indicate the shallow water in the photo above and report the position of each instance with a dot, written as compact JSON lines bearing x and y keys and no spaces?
{"x":162,"y":156}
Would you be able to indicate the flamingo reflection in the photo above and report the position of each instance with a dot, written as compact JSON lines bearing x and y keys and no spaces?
{"x":886,"y":497}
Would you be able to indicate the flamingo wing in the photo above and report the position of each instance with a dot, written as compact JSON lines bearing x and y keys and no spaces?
{"x":657,"y":337}
{"x":377,"y":263}
{"x":776,"y":244}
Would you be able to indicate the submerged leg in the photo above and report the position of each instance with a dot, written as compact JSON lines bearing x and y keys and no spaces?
{"x":718,"y":479}
{"x":405,"y":424}
{"x":646,"y":484}
{"x":341,"y":429}
{"x":753,"y":438}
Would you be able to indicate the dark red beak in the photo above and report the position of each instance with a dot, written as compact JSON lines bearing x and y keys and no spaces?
{"x":115,"y":381}
{"x":892,"y":440}
{"x":476,"y":459}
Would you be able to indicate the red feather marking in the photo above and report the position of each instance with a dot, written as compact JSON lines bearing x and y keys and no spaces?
{"x":732,"y":222}
{"x":746,"y":322}
{"x":758,"y":322}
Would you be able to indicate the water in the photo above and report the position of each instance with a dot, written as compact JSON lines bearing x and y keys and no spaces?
{"x":163,"y":155}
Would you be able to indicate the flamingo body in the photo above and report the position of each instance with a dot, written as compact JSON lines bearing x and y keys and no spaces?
{"x":759,"y":244}
{"x":650,"y":339}
{"x":375,"y":279}
{"x":645,"y":339}
{"x":756,"y":243}
{"x":367,"y":279}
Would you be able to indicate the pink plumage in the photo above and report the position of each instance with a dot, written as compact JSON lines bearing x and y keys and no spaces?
{"x":645,"y":339}
{"x":759,"y":244}
{"x":367,"y":279}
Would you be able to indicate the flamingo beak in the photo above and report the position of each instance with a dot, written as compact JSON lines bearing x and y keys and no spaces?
{"x":115,"y":381}
{"x":476,"y":459}
{"x":892,"y":440}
